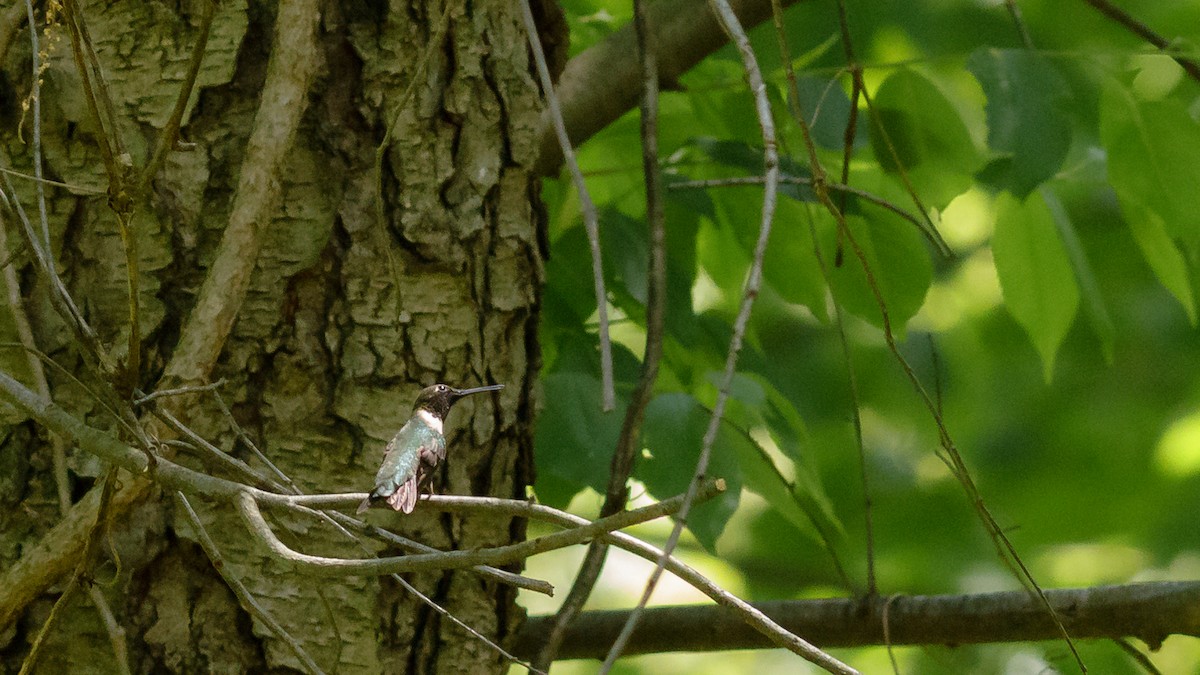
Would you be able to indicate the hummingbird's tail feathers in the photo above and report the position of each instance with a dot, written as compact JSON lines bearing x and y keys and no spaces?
{"x":366,"y":504}
{"x":405,"y":497}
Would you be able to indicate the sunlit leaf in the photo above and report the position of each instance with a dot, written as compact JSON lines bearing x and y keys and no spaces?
{"x":1035,"y":273}
{"x":1162,"y":254}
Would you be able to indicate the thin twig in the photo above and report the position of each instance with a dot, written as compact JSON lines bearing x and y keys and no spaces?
{"x":35,"y":93}
{"x":617,"y":492}
{"x":958,"y":467}
{"x":732,"y":26}
{"x":169,"y":135}
{"x":885,"y":622}
{"x":245,"y":598}
{"x":821,"y":186}
{"x":1146,"y":33}
{"x":801,"y":180}
{"x":39,"y":643}
{"x":389,"y":537}
{"x":116,"y":632}
{"x":590,"y":221}
{"x":221,"y":457}
{"x":380,"y":218}
{"x":928,"y":226}
{"x":1015,"y":12}
{"x":91,"y":393}
{"x":1138,"y":656}
{"x":60,"y":298}
{"x":856,"y":417}
{"x":46,"y":181}
{"x":178,"y":391}
{"x":249,"y":443}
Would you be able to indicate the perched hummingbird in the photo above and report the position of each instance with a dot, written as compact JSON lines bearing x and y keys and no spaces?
{"x":411,"y":456}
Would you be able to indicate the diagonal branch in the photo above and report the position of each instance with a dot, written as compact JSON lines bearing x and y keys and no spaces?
{"x":617,"y":492}
{"x":1146,"y":33}
{"x":733,"y":27}
{"x":245,"y":598}
{"x":590,"y":221}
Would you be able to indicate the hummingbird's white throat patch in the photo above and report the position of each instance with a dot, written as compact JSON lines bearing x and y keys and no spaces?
{"x":430,"y":420}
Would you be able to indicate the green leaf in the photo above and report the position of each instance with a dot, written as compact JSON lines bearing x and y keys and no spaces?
{"x":930,"y":139}
{"x":803,"y":501}
{"x":575,"y":439}
{"x":1153,"y":161}
{"x":673,"y":432}
{"x":1093,"y":303}
{"x":1153,"y":158}
{"x":1035,"y":273}
{"x":1026,"y":114}
{"x":826,"y":108}
{"x":1162,"y":254}
{"x":899,"y":264}
{"x":789,"y":264}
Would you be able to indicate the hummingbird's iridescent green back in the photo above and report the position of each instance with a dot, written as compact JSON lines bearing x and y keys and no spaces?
{"x":411,"y":455}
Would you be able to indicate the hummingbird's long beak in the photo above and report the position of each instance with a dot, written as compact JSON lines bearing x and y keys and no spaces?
{"x":459,"y":393}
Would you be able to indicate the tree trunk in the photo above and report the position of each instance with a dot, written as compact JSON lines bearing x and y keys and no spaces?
{"x":330,"y":346}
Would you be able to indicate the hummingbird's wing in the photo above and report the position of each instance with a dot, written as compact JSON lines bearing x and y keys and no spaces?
{"x":406,"y":460}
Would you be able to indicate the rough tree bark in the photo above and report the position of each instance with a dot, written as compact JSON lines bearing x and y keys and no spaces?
{"x":328,"y":351}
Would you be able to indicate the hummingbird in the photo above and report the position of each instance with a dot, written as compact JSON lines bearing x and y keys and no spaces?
{"x":411,"y":456}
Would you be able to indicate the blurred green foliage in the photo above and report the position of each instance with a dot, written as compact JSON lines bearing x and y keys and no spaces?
{"x":1059,"y":338}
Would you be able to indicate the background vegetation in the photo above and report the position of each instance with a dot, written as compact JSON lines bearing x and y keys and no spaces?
{"x":1059,"y":333}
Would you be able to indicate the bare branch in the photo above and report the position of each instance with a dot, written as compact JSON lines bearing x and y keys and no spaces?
{"x":178,"y":391}
{"x":750,"y":615}
{"x":590,"y":221}
{"x":602,"y":83}
{"x":801,"y":180}
{"x":1015,"y":11}
{"x":247,"y":501}
{"x":387,"y":536}
{"x":1147,"y":611}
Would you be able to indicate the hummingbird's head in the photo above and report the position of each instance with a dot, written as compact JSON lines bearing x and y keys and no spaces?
{"x":438,"y":398}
